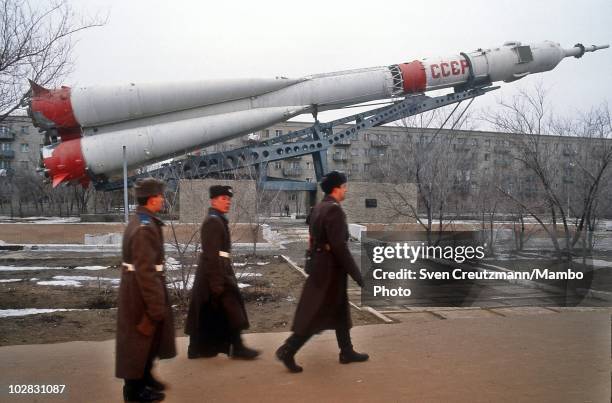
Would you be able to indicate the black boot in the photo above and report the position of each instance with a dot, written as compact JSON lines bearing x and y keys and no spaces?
{"x":286,"y":354}
{"x":348,"y":356}
{"x":241,"y":352}
{"x":149,"y":380}
{"x":244,"y":353}
{"x":154,"y":384}
{"x":135,"y":391}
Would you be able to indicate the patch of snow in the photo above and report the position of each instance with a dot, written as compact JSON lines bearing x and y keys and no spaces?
{"x":85,"y":278}
{"x":239,"y":264}
{"x":178,"y":284}
{"x":30,"y":268}
{"x":91,"y":268}
{"x":10,"y":280}
{"x":5,"y":313}
{"x":34,"y":279}
{"x":262,"y":263}
{"x":243,"y":285}
{"x":248,"y":274}
{"x":67,"y":283}
{"x":597,"y":263}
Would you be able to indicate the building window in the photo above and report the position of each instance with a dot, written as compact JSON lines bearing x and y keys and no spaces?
{"x":266,"y":134}
{"x":354,"y":152}
{"x":7,"y":146}
{"x":25,"y":129}
{"x":278,"y":133}
{"x":308,"y":179}
{"x":25,"y":147}
{"x":307,"y":165}
{"x":277,"y":165}
{"x":371,"y":203}
{"x":4,"y":129}
{"x":5,"y":164}
{"x":486,"y":156}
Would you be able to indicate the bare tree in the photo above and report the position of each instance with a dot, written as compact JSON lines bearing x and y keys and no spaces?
{"x":438,"y":164}
{"x":36,"y":44}
{"x":574,"y":162}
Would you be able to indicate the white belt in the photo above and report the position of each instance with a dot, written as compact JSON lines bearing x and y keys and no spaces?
{"x":130,"y":267}
{"x":224,"y":254}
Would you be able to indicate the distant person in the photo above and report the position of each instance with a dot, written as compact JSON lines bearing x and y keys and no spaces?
{"x":324,"y":301}
{"x":145,"y":324}
{"x":287,"y":210}
{"x":217,"y":314}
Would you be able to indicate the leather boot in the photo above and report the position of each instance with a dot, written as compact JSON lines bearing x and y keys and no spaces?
{"x":286,"y":354}
{"x":348,"y":356}
{"x":239,"y":351}
{"x":141,"y":394}
{"x":154,"y":384}
{"x":243,"y":353}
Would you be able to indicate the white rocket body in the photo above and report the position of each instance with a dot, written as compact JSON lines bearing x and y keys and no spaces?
{"x":157,"y":121}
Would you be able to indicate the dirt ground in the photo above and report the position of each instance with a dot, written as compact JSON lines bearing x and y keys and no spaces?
{"x":271,"y":299}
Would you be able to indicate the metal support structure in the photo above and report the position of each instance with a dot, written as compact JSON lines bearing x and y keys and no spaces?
{"x":314,"y":140}
{"x":126,"y":205}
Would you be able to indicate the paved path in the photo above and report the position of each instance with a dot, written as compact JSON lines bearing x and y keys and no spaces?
{"x":559,"y":357}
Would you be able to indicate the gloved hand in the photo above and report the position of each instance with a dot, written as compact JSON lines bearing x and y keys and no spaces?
{"x":145,"y":327}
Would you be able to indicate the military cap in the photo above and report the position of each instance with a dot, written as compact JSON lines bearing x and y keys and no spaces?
{"x":148,"y":187}
{"x":332,"y":180}
{"x":220,"y":190}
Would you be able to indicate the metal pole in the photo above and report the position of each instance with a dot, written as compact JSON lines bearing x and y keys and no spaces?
{"x":125,"y":187}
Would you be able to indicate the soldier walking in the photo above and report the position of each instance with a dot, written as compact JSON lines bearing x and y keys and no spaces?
{"x":217,"y":314}
{"x":324,"y":301}
{"x":145,"y":325}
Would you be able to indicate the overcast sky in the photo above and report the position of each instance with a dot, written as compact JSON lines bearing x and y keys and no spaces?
{"x":148,"y":40}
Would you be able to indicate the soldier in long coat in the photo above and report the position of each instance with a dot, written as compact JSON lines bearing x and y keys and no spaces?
{"x":217,"y":314}
{"x":145,"y":325}
{"x":324,"y":301}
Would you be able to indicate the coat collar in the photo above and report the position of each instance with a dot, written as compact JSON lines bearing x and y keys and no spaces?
{"x":329,"y":198}
{"x":152,"y":216}
{"x":215,"y":212}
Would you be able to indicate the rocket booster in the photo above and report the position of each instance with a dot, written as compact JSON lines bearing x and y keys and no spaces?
{"x":158,"y":121}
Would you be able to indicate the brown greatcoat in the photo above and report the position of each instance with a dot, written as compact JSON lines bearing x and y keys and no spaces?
{"x":324,"y":302}
{"x":143,"y":298}
{"x":216,"y":309}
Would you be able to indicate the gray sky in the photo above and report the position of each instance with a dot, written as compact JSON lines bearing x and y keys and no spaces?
{"x":148,"y":40}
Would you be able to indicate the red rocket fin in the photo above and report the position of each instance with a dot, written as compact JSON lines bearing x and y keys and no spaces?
{"x":37,"y":90}
{"x":57,"y":179}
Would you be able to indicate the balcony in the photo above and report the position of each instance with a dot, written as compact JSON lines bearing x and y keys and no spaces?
{"x":461,"y":148}
{"x":462,"y":187}
{"x":7,"y":135}
{"x":379,"y":143}
{"x":343,"y":143}
{"x":501,"y":150}
{"x":502,"y":164}
{"x":293,"y":171}
{"x":340,"y":157}
{"x":466,"y":165}
{"x":8,"y":154}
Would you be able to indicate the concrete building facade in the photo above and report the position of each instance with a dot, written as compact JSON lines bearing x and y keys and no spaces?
{"x":20,"y":145}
